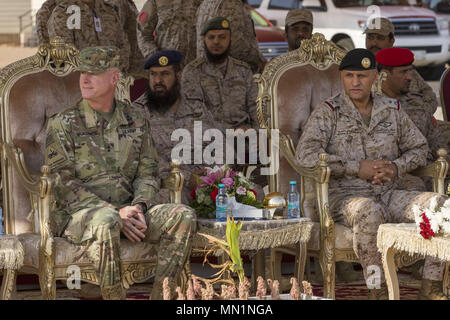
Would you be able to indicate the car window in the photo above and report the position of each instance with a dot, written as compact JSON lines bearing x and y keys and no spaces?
{"x":365,"y":3}
{"x":254,"y":3}
{"x":258,"y":20}
{"x":283,"y":4}
{"x":440,"y":5}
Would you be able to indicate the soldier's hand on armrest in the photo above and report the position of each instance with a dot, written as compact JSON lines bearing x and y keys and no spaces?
{"x":133,"y":223}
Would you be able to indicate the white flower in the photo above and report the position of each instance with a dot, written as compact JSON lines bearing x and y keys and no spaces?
{"x":434,"y":203}
{"x":446,"y":227}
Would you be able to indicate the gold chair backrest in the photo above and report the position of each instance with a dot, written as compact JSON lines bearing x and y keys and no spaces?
{"x":31,"y":91}
{"x":289,"y":88}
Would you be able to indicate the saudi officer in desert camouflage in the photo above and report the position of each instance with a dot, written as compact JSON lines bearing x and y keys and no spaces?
{"x":371,"y":142}
{"x":244,"y":44}
{"x":220,"y":82}
{"x":168,"y":111}
{"x":168,"y":25}
{"x":87,"y":23}
{"x":105,"y":165}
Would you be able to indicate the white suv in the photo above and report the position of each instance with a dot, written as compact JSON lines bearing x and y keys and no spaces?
{"x":343,"y":22}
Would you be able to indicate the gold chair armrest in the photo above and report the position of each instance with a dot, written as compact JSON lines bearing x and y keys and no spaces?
{"x":437,"y":171}
{"x":174,"y":182}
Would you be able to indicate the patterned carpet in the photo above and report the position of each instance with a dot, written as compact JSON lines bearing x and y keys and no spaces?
{"x":344,"y":291}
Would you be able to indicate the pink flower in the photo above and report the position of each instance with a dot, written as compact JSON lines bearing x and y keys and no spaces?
{"x":241,"y":190}
{"x":210,"y":178}
{"x":228,"y":182}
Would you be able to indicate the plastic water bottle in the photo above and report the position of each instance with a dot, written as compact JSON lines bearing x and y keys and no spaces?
{"x":293,"y":199}
{"x":221,"y":204}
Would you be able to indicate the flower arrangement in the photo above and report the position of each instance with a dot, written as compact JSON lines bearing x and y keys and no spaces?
{"x":236,"y":185}
{"x":432,"y":220}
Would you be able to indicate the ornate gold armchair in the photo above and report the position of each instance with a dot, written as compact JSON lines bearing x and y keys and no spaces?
{"x":32,"y":90}
{"x":287,"y":89}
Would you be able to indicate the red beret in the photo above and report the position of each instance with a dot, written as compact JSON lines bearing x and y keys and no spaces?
{"x":395,"y":57}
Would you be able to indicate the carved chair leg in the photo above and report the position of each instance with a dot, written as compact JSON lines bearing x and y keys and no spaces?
{"x":8,"y":284}
{"x":300,"y":261}
{"x":308,"y":269}
{"x":390,"y":273}
{"x":47,"y":280}
{"x":446,"y":280}
{"x":328,"y":267}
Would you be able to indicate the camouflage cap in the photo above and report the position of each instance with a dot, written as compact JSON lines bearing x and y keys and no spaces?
{"x":381,"y":26}
{"x":217,"y":23}
{"x":299,"y":15}
{"x":99,"y":59}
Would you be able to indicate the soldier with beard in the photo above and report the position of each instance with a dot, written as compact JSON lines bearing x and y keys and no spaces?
{"x":299,"y":26}
{"x":167,"y":111}
{"x":220,"y":82}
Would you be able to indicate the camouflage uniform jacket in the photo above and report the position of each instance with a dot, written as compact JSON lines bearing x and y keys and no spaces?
{"x":96,"y":163}
{"x":42,"y":16}
{"x":108,"y":32}
{"x":244,"y":44}
{"x":231,"y":98}
{"x":336,"y":127}
{"x":419,"y":88}
{"x":173,"y":22}
{"x":164,"y":124}
{"x":413,"y":105}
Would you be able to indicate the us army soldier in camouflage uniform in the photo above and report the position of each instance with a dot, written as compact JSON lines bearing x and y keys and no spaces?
{"x":380,"y":35}
{"x":173,"y":22}
{"x":104,"y":165}
{"x":370,"y":141}
{"x":244,"y":44}
{"x":168,"y":111}
{"x":100,"y":25}
{"x":222,"y":83}
{"x":127,"y":13}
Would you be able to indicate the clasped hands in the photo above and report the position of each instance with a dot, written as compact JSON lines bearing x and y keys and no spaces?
{"x":378,"y":171}
{"x":133,"y":223}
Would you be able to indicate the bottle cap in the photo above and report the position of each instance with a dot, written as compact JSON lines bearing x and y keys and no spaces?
{"x":221,"y":185}
{"x":292,"y":182}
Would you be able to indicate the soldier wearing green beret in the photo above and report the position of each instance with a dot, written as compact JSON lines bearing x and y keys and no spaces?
{"x":371,"y":143}
{"x":244,"y":44}
{"x":105,"y":166}
{"x":220,"y":82}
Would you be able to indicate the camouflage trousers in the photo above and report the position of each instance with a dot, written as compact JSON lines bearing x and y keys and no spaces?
{"x":169,"y":226}
{"x":364,"y":214}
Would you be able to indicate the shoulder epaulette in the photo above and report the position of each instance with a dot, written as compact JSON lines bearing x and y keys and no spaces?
{"x":240,"y":62}
{"x":197,"y":62}
{"x":333,"y":101}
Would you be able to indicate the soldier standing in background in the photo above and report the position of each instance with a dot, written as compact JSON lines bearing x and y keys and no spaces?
{"x":299,"y":26}
{"x":244,"y":45}
{"x":220,"y":82}
{"x":168,"y":25}
{"x":105,"y":166}
{"x":96,"y":23}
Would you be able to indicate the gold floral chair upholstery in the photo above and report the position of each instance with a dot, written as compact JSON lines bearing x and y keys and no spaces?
{"x":32,"y":90}
{"x":281,"y":103}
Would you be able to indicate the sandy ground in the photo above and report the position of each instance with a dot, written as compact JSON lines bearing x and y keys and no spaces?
{"x":10,"y":54}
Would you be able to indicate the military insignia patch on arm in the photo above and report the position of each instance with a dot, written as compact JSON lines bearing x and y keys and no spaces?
{"x":54,"y":156}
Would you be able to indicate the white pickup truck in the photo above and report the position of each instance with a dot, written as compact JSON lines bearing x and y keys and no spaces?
{"x":343,"y":21}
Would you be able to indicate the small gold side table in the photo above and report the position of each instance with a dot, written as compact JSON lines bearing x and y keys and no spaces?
{"x":393,"y":238}
{"x":11,"y":260}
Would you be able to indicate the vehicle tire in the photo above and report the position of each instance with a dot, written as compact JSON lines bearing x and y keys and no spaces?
{"x":345,"y":43}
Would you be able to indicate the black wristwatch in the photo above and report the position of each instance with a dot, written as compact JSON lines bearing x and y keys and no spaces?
{"x":143,"y":206}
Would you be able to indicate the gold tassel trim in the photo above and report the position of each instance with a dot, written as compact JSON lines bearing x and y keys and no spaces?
{"x":404,"y":237}
{"x":11,"y":253}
